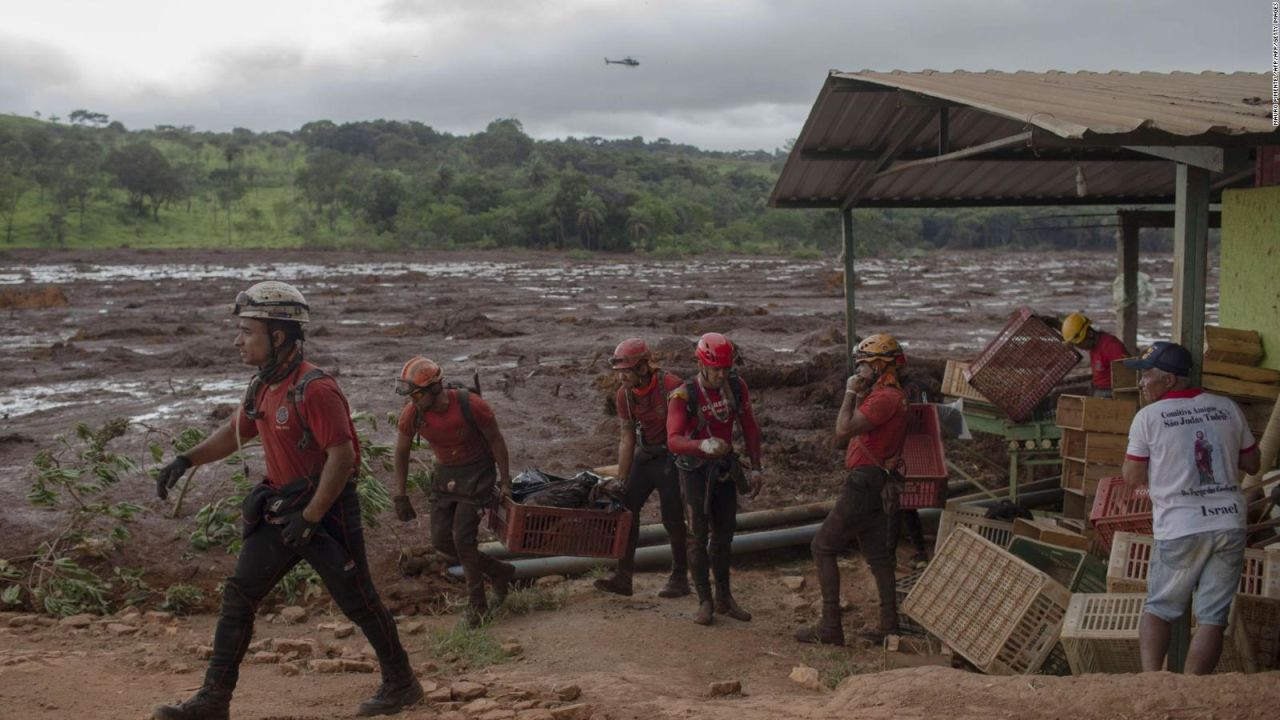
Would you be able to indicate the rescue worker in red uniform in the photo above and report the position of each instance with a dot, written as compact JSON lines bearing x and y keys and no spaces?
{"x":700,"y":419}
{"x":871,"y":426}
{"x":305,"y":509}
{"x":1103,"y":347}
{"x":645,"y":465}
{"x":471,"y":465}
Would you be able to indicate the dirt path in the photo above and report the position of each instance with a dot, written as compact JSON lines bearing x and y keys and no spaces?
{"x":631,"y":658}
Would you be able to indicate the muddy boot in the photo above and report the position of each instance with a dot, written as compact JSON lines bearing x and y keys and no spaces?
{"x":725,"y":605}
{"x":888,"y":624}
{"x":677,"y":586}
{"x":829,"y":631}
{"x":473,"y":617}
{"x":501,"y":580}
{"x":703,"y":616}
{"x":616,"y":583}
{"x":207,"y":704}
{"x":392,"y":697}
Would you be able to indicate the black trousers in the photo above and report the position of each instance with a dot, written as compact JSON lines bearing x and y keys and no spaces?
{"x":455,"y":525}
{"x":858,"y":514}
{"x":337,"y":554}
{"x":656,"y":473}
{"x":910,"y":521}
{"x":712,"y":511}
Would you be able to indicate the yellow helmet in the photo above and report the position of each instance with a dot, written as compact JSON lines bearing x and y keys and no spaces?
{"x":1075,"y":328}
{"x":880,"y":347}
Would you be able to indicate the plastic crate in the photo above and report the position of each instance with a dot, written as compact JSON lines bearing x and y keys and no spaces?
{"x":973,"y":517}
{"x":997,"y":611}
{"x":1260,"y":618}
{"x":924,"y":493}
{"x":1117,"y":508}
{"x":1021,"y":365}
{"x":1100,"y":635}
{"x":1074,"y":569}
{"x":535,"y":530}
{"x":1131,"y":561}
{"x":902,"y":588}
{"x":1057,"y":663}
{"x":955,"y":385}
{"x":922,"y":454}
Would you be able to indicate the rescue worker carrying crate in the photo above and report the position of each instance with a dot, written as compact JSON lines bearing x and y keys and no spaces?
{"x":1103,"y":347}
{"x":644,"y":464}
{"x":871,"y":426}
{"x":467,"y":444}
{"x":700,"y":420}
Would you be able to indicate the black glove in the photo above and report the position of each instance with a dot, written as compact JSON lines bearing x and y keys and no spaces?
{"x":404,"y":508}
{"x":169,"y":475}
{"x":298,"y":531}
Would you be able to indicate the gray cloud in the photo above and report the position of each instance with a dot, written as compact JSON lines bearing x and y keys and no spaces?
{"x":718,"y":75}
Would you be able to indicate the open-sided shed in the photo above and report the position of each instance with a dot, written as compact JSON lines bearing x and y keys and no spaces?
{"x":953,"y":139}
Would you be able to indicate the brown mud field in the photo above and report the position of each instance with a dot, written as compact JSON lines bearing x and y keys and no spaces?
{"x":146,"y":336}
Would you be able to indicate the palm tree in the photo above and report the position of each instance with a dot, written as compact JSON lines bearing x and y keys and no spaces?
{"x":591,"y":211}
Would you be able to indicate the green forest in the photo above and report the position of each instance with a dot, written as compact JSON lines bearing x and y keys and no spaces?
{"x":87,"y":181}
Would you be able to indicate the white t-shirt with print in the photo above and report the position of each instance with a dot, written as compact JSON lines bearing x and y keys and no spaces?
{"x":1192,"y":441}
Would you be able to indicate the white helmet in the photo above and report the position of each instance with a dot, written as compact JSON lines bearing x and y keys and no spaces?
{"x":272,"y":300}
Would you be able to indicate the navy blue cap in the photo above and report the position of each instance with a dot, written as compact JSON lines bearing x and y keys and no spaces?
{"x":1166,"y":356}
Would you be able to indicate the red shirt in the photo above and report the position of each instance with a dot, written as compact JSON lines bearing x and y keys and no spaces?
{"x":1107,"y":348}
{"x":886,"y":408}
{"x":453,"y":440}
{"x":650,"y":409}
{"x":680,"y":424}
{"x":327,"y":415}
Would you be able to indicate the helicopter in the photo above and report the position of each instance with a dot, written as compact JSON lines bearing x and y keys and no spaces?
{"x":628,"y":61}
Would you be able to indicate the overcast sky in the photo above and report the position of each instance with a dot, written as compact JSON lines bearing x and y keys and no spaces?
{"x":718,"y":74}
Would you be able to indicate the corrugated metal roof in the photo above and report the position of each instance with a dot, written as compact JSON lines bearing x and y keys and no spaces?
{"x":1080,"y":124}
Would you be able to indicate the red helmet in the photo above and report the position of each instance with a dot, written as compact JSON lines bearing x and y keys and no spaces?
{"x":715,"y":351}
{"x":418,"y":374}
{"x":630,"y":353}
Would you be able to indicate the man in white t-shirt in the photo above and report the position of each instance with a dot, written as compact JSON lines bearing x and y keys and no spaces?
{"x":1188,"y":447}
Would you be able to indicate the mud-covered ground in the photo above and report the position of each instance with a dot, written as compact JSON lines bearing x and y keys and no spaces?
{"x":147,"y":336}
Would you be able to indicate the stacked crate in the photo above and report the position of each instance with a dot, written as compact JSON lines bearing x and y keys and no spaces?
{"x":1230,"y":360}
{"x":1124,"y":382}
{"x":1095,"y":433}
{"x":1257,"y":598}
{"x":1100,"y":634}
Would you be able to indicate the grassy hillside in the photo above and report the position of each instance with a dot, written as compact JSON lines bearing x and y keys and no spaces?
{"x":384,"y":184}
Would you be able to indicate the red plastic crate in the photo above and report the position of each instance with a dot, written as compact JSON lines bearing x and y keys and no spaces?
{"x":1021,"y":365}
{"x":535,"y":530}
{"x":922,"y":455}
{"x":923,"y":493}
{"x":1115,"y":508}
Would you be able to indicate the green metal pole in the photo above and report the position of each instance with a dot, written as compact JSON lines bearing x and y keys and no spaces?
{"x":846,"y":227}
{"x":1190,"y":261}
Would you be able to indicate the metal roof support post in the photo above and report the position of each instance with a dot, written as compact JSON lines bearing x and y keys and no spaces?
{"x":1127,"y":313}
{"x":1190,"y":261}
{"x":846,"y":231}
